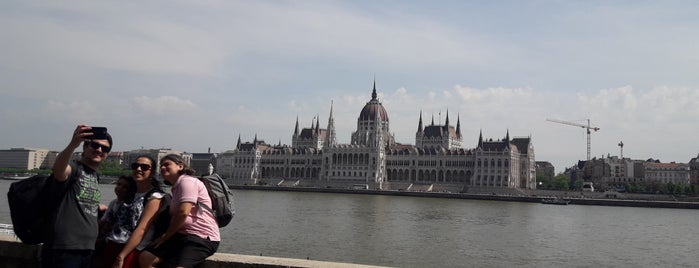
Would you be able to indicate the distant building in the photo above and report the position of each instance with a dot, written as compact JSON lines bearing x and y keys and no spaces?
{"x":613,"y":171}
{"x":675,"y":173}
{"x":545,"y":169}
{"x":202,"y":161}
{"x":694,"y":170}
{"x":373,"y":158}
{"x":27,"y":158}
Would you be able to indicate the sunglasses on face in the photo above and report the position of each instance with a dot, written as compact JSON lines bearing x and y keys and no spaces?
{"x":95,"y":145}
{"x":144,"y":167}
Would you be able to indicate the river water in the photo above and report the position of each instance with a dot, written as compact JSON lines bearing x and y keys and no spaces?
{"x":434,"y":232}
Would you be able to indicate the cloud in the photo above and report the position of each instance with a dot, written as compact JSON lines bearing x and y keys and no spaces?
{"x":76,"y":111}
{"x":165,"y":105}
{"x":468,"y":94}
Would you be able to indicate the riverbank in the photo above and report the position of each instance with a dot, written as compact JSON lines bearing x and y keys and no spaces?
{"x":535,"y":196}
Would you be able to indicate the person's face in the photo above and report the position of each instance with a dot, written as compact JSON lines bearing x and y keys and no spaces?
{"x":142,"y":169}
{"x":170,"y":170}
{"x":96,"y":151}
{"x":121,"y":189}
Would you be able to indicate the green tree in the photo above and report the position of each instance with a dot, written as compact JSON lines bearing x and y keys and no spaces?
{"x":113,"y":168}
{"x":560,"y":182}
{"x":577,"y":184}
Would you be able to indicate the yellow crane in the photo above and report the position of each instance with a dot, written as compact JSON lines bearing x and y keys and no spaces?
{"x":586,"y":127}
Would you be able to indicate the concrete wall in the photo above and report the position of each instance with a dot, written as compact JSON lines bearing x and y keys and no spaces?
{"x":14,"y":254}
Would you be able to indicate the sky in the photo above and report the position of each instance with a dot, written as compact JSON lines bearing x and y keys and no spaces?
{"x":196,"y":75}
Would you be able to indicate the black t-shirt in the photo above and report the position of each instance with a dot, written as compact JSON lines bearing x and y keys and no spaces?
{"x":76,"y":216}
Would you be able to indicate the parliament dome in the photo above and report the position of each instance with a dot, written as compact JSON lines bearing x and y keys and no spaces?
{"x":370,"y":110}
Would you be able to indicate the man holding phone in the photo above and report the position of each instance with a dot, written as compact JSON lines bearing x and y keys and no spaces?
{"x":75,"y":220}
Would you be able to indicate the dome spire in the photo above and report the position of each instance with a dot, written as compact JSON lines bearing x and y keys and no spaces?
{"x":373,"y":92}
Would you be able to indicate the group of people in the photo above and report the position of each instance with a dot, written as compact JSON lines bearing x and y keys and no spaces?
{"x":128,"y":223}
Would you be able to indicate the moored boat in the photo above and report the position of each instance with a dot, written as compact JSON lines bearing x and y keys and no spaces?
{"x":555,"y":201}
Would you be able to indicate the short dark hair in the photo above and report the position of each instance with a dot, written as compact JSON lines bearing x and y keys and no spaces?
{"x":109,"y":139}
{"x":131,"y":188}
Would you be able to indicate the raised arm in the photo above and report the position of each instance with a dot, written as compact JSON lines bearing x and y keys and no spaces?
{"x":61,"y":168}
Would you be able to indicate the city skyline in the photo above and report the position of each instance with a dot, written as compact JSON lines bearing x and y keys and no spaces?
{"x":207,"y":72}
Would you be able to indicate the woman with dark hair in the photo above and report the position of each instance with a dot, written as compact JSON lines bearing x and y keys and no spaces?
{"x":193,"y":233}
{"x":147,"y":201}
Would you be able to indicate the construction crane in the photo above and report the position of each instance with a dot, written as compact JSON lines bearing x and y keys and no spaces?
{"x":586,"y":127}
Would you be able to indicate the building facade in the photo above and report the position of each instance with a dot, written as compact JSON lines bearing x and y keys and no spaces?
{"x":373,"y":157}
{"x":674,"y":173}
{"x":27,"y":158}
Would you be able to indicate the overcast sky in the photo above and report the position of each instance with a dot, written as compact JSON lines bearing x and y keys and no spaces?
{"x":194,"y":75}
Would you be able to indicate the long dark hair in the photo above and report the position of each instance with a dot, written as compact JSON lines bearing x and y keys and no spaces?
{"x":153,"y":171}
{"x":179,"y":160}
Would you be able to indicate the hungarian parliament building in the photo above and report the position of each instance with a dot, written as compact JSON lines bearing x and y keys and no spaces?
{"x":374,"y":160}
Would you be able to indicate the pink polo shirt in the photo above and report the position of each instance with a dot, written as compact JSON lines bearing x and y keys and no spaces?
{"x":200,"y":221}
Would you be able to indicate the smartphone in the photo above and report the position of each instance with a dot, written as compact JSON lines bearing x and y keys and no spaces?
{"x":98,"y":133}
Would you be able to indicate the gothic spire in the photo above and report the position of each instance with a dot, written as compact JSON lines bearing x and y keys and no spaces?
{"x":419,"y":125}
{"x":507,"y":138}
{"x":317,"y":124}
{"x":446,"y":123}
{"x":458,"y":125}
{"x":296,"y":130}
{"x":480,"y":139}
{"x":330,"y":134}
{"x":237,"y":146}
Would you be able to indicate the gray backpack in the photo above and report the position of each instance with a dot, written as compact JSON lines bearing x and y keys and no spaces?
{"x":221,"y":199}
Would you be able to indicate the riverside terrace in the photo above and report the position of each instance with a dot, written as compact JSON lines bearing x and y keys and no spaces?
{"x":14,"y":254}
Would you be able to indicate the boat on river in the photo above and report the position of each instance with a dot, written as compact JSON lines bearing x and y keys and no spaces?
{"x":555,"y":201}
{"x":16,"y":176}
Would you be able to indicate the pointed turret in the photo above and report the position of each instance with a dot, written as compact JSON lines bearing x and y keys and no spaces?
{"x":480,"y":139}
{"x":458,"y":125}
{"x":507,"y":138}
{"x":432,"y":120}
{"x":446,"y":123}
{"x":317,"y":124}
{"x":330,"y":136}
{"x":296,"y":130}
{"x":237,"y":146}
{"x":419,"y":124}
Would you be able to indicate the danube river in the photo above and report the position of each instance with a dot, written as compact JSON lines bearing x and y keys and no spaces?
{"x":438,"y":232}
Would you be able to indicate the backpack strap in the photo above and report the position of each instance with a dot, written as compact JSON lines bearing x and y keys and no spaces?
{"x":204,"y":206}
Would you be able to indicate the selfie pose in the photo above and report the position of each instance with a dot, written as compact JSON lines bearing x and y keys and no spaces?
{"x":193,"y":233}
{"x":75,"y":225}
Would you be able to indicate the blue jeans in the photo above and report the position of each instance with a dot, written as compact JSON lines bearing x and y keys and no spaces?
{"x":65,"y":258}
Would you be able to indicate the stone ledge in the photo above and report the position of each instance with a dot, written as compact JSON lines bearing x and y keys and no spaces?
{"x":15,"y":254}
